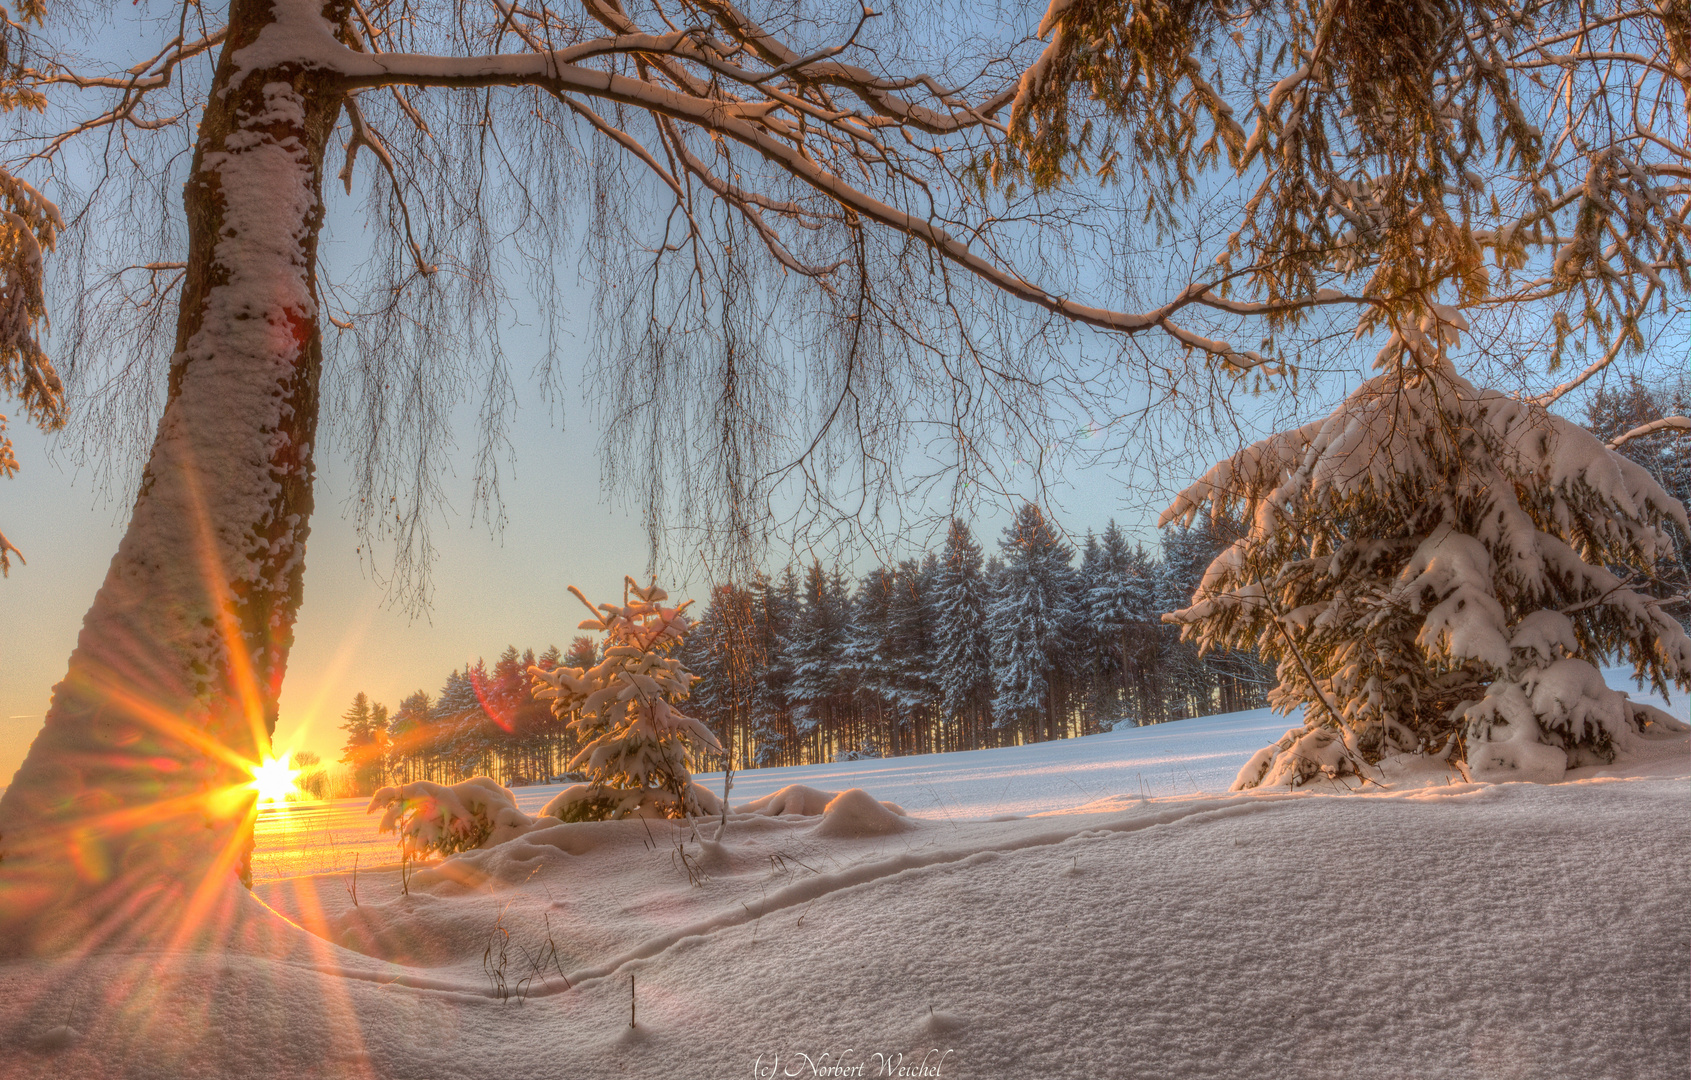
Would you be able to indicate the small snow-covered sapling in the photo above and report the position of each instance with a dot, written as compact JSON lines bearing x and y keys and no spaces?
{"x":635,"y":739}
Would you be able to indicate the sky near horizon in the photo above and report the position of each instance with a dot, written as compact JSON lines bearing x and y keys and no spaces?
{"x":488,"y":592}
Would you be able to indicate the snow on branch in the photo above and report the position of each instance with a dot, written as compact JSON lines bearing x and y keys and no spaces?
{"x":1666,"y":423}
{"x":1438,"y":568}
{"x":299,"y":35}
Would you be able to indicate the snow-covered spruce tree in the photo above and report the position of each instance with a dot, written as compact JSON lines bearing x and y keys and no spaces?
{"x":910,"y":651}
{"x":869,"y":651}
{"x":439,"y":819}
{"x":774,"y":609}
{"x":1033,"y":619}
{"x":1438,"y":570}
{"x":704,"y":652}
{"x":634,"y":739}
{"x":817,"y":643}
{"x":1097,"y":660}
{"x":1115,"y":591}
{"x":962,"y":640}
{"x":453,"y":720}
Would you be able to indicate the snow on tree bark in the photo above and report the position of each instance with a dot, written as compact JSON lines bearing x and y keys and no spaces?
{"x":172,"y":688}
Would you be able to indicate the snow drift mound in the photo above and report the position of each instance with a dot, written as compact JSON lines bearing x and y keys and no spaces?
{"x":857,"y":813}
{"x":809,"y":802}
{"x":792,"y":799}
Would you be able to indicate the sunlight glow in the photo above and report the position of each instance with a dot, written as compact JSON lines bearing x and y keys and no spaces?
{"x":274,"y":780}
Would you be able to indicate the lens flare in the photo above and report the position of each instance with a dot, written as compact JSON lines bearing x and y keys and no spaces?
{"x":274,"y":780}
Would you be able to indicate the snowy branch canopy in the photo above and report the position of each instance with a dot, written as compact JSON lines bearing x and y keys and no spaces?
{"x":913,"y":208}
{"x":1438,"y":570}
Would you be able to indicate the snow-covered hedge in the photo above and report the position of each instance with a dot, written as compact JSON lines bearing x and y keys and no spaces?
{"x":1437,"y":569}
{"x":602,"y":802}
{"x":434,"y":819}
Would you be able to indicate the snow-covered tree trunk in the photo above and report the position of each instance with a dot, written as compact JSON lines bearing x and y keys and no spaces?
{"x":172,"y":688}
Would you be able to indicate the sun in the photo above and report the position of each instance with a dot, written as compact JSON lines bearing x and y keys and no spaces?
{"x":274,"y":780}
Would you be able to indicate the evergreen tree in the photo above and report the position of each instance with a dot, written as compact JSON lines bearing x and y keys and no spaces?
{"x":506,"y":690}
{"x":1666,"y":455}
{"x":869,"y":654}
{"x":365,"y":752}
{"x":774,"y":607}
{"x":411,"y":735}
{"x":816,"y":644}
{"x":724,"y":652}
{"x":1107,"y":595}
{"x":583,"y":652}
{"x":1144,"y":635}
{"x":1201,"y":682}
{"x":635,"y":738}
{"x":444,"y":752}
{"x":1429,"y":568}
{"x":1033,"y":626}
{"x":456,"y":699}
{"x":910,"y":652}
{"x":958,"y":607}
{"x":521,"y":731}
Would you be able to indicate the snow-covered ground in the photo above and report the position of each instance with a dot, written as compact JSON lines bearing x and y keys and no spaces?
{"x":1142,"y":925}
{"x":1168,"y":759}
{"x":1180,"y":758}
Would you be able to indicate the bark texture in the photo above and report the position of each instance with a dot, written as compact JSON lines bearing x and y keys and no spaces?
{"x":141,"y":772}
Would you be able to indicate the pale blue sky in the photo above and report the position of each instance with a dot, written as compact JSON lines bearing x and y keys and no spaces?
{"x":488,"y":592}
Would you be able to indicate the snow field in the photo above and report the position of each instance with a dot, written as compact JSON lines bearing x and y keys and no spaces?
{"x":1072,"y":909}
{"x":1183,"y":757}
{"x":1179,"y":758}
{"x":1457,"y":931}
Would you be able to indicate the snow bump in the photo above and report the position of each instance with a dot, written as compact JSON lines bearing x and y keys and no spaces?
{"x":857,"y":813}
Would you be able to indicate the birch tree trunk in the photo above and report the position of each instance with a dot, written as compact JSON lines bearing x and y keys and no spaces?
{"x":141,"y":772}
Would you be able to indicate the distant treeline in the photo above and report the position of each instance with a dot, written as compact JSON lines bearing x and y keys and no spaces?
{"x":952,"y":651}
{"x":955,"y":651}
